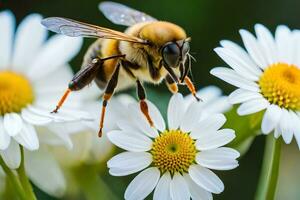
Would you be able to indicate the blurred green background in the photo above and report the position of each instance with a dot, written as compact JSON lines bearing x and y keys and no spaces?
{"x":207,"y":22}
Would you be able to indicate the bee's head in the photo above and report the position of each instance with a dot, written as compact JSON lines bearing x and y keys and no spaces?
{"x":174,"y":55}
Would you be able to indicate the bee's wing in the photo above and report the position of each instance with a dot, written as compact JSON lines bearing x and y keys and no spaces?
{"x":74,"y":28}
{"x":123,"y":15}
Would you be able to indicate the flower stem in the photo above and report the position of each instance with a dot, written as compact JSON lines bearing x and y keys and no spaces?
{"x":270,"y":169}
{"x":13,"y":180}
{"x":24,"y":179}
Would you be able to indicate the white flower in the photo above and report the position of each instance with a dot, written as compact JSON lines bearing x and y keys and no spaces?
{"x":33,"y":75}
{"x":268,"y":78}
{"x":175,"y":161}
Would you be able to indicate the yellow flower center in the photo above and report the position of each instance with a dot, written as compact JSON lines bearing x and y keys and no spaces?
{"x":173,"y":151}
{"x":280,"y":84}
{"x":15,"y":92}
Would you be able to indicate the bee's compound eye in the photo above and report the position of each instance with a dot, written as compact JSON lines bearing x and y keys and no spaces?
{"x":171,"y":54}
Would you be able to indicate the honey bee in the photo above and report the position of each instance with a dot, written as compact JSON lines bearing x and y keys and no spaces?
{"x":148,"y":51}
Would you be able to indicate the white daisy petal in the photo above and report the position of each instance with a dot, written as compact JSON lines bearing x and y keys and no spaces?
{"x":12,"y":155}
{"x":162,"y":190}
{"x":52,"y":134}
{"x":284,"y":44}
{"x":64,"y":114}
{"x":130,"y":162}
{"x":140,"y":121}
{"x":130,"y":141}
{"x":236,"y":63}
{"x":296,"y":58}
{"x":191,"y":116}
{"x":253,"y":106}
{"x":59,"y":50}
{"x":34,"y":119}
{"x":215,"y":140}
{"x":270,"y":119}
{"x":220,"y":153}
{"x":28,"y":137}
{"x":143,"y":184}
{"x":253,"y":48}
{"x":26,"y":47}
{"x":206,"y":179}
{"x":175,"y":111}
{"x":124,"y":125}
{"x":219,"y":105}
{"x":196,"y":191}
{"x":7,"y":26}
{"x":13,"y":123}
{"x":209,"y":125}
{"x":154,"y":113}
{"x":241,"y":95}
{"x":178,"y":188}
{"x":215,"y":159}
{"x":296,"y":122}
{"x":35,"y":164}
{"x":207,"y":94}
{"x":267,"y":42}
{"x":4,"y":137}
{"x":242,"y":54}
{"x":231,"y":77}
{"x":277,"y":132}
{"x":286,"y":126}
{"x":59,"y":79}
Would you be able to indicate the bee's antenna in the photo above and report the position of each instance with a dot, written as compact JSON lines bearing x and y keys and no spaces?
{"x":192,"y":57}
{"x":190,"y":71}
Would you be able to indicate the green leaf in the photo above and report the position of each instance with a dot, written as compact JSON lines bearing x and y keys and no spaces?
{"x":268,"y":178}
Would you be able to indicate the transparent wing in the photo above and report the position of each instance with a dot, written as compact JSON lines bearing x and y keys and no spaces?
{"x":123,"y":15}
{"x":74,"y":28}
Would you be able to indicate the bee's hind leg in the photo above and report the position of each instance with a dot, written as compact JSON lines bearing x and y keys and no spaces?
{"x":80,"y":80}
{"x":109,"y":90}
{"x":143,"y":105}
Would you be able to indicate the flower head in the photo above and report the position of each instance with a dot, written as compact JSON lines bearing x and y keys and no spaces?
{"x":33,"y":73}
{"x":268,"y":78}
{"x":176,"y":161}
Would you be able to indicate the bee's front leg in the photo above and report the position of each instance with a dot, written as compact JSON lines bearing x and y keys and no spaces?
{"x":191,"y":87}
{"x":143,"y":105}
{"x":171,"y":84}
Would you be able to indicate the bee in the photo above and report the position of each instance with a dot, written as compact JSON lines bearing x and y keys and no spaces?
{"x":148,"y":51}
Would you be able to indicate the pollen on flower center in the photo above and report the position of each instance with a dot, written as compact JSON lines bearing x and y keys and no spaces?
{"x":15,"y":92}
{"x":173,"y":151}
{"x":280,"y":84}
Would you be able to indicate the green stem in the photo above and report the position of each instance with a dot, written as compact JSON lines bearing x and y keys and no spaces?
{"x":24,"y":179}
{"x":92,"y":185}
{"x":270,"y":169}
{"x":13,"y":180}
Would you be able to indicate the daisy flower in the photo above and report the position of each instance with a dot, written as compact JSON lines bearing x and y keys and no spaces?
{"x":175,"y":161}
{"x":33,"y":74}
{"x":267,"y":76}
